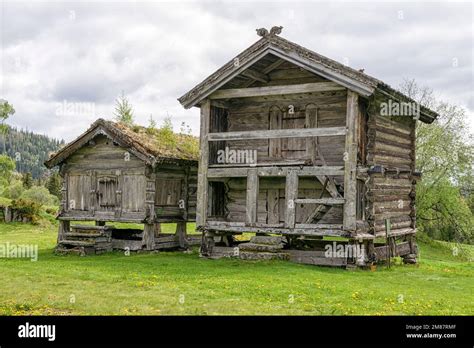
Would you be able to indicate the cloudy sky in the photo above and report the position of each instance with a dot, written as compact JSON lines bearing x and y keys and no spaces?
{"x":64,"y":64}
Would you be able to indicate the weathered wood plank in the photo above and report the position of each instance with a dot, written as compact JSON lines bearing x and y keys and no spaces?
{"x":273,"y":212}
{"x":277,"y":133}
{"x":350,"y":163}
{"x":180,"y":234}
{"x":315,"y":257}
{"x":202,"y":189}
{"x":252,"y":196}
{"x":256,"y":75}
{"x":291,"y":193}
{"x":277,"y":230}
{"x":320,"y":200}
{"x":273,"y":171}
{"x":148,"y":240}
{"x":276,"y":90}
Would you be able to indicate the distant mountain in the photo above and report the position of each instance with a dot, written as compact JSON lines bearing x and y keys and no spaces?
{"x":29,"y":150}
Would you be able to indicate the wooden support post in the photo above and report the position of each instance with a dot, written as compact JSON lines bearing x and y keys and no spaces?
{"x":273,"y":206}
{"x":64,"y":203}
{"x":8,"y":214}
{"x":388,"y":227}
{"x":185,"y":194}
{"x":412,"y":242}
{"x":311,"y":121}
{"x":118,"y":194}
{"x":202,"y":189}
{"x":291,"y":193}
{"x":148,"y":240}
{"x":207,"y":243}
{"x":350,"y":162}
{"x":157,"y":229}
{"x":252,"y":196}
{"x":181,"y":234}
{"x":63,"y":228}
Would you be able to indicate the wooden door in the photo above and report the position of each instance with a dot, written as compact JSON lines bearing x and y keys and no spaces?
{"x":106,"y":192}
{"x":287,"y":148}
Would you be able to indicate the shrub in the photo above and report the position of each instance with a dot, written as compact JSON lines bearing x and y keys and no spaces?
{"x":26,"y":210}
{"x":14,"y":190}
{"x":40,"y":195}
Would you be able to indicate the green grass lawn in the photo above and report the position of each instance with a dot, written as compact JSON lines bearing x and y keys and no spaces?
{"x":177,"y":283}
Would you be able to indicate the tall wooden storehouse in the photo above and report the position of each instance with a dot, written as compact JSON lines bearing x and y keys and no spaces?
{"x":118,"y":173}
{"x":297,"y":145}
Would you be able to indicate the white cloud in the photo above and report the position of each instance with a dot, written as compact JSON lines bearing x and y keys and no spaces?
{"x":55,"y":53}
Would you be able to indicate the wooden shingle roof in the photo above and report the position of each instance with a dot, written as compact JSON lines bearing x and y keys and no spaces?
{"x":149,"y":147}
{"x":332,"y":70}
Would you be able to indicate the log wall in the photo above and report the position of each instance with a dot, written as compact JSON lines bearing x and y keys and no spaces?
{"x":391,"y":193}
{"x":103,"y":181}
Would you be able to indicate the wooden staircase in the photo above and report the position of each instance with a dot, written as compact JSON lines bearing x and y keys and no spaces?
{"x":263,"y":248}
{"x":86,"y":240}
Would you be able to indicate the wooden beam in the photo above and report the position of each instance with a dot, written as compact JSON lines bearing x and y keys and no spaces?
{"x":267,"y":70}
{"x":305,"y":230}
{"x":305,"y":171}
{"x":350,"y":162}
{"x":214,"y":173}
{"x":320,"y":201}
{"x":321,"y":70}
{"x":273,"y":66}
{"x":291,"y":193}
{"x":202,"y":189}
{"x":278,"y":133}
{"x":320,"y":226}
{"x":256,"y":75}
{"x":276,"y":90}
{"x":252,"y":196}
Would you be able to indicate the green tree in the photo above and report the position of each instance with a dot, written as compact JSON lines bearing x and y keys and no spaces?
{"x":40,"y":195}
{"x":27,"y":180}
{"x":6,"y":110}
{"x":54,"y":185}
{"x":123,"y":110}
{"x":7,"y":166}
{"x":151,"y":122}
{"x":13,"y":190}
{"x":445,"y":156}
{"x":151,"y":129}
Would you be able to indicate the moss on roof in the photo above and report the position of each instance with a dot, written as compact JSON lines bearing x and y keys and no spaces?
{"x":162,"y":142}
{"x":150,"y":144}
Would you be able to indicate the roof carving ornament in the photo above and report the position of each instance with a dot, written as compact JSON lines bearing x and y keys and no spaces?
{"x":276,"y":30}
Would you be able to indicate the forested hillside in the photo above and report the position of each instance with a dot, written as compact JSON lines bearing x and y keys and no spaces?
{"x":29,"y":150}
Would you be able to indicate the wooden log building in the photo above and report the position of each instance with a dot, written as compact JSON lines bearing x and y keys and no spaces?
{"x":118,"y":173}
{"x":296,"y":145}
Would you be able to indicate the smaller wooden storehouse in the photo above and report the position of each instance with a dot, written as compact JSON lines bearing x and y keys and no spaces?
{"x":298,"y":148}
{"x":117,"y":173}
